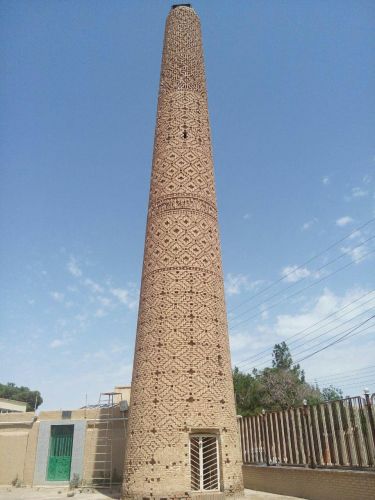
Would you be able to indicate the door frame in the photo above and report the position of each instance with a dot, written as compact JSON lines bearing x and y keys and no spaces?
{"x":42,"y":451}
{"x":200,"y":436}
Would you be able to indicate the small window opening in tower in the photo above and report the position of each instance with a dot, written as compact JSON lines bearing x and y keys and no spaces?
{"x":185,"y":134}
{"x":204,"y":462}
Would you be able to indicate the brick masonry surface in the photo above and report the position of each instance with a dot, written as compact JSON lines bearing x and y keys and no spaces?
{"x":182,"y":381}
{"x":312,"y":484}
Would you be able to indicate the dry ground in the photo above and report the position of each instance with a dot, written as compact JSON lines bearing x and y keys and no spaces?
{"x":10,"y":493}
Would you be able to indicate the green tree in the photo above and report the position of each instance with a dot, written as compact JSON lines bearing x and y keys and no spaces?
{"x":278,"y":387}
{"x":331,"y":393}
{"x":11,"y":391}
{"x":281,"y":357}
{"x":247,"y":393}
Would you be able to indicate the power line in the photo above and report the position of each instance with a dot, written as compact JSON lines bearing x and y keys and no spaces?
{"x":266,"y":351}
{"x":331,"y":329}
{"x":324,"y":340}
{"x":363,"y":383}
{"x":299,"y":291}
{"x":346,"y":373}
{"x":341,"y":339}
{"x":342,"y":381}
{"x":320,"y":335}
{"x":341,"y":256}
{"x":303,"y":264}
{"x":316,"y":336}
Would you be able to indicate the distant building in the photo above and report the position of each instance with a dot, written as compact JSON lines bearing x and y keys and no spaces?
{"x":55,"y":446}
{"x":12,"y":406}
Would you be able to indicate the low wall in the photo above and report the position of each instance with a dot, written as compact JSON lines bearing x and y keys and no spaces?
{"x":24,"y":443}
{"x":18,"y":436}
{"x":312,"y":484}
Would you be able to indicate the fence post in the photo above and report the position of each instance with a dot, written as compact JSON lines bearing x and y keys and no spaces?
{"x":310,"y":458}
{"x":370,"y":416}
{"x":264,"y":439}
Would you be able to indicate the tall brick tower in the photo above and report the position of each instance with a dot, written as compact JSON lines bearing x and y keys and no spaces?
{"x":182,"y":430}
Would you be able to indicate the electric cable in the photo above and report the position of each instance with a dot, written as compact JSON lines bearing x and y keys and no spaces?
{"x":261,"y":354}
{"x":301,"y":290}
{"x":319,"y":254}
{"x":346,"y":373}
{"x":264,"y":363}
{"x":341,"y":339}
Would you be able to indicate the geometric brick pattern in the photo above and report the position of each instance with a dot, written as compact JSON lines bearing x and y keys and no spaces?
{"x":182,"y":381}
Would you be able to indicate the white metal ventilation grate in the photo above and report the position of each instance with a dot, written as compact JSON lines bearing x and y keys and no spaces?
{"x":204,"y":463}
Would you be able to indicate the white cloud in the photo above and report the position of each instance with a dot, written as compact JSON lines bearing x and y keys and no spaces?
{"x":264,"y":314}
{"x":293,"y":274}
{"x":358,"y":192}
{"x":366,"y":179}
{"x":235,"y":283}
{"x":247,"y":342}
{"x":59,"y":297}
{"x":240,"y":341}
{"x":73,"y":268}
{"x":94,"y":287}
{"x":327,"y":304}
{"x":332,"y":359}
{"x":121,"y":294}
{"x":289,"y":324}
{"x":358,"y":254}
{"x":307,"y":225}
{"x":247,"y":216}
{"x":344,"y":221}
{"x":101,"y":354}
{"x":355,"y":234}
{"x":56,"y":343}
{"x":118,"y":348}
{"x":100,"y":313}
{"x":238,"y":283}
{"x":104,"y":301}
{"x":326,"y":180}
{"x":82,"y":320}
{"x":124,"y":296}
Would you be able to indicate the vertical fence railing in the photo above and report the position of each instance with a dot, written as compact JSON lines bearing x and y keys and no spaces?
{"x":337,"y":433}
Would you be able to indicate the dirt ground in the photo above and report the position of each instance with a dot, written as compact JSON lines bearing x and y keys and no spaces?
{"x":10,"y":493}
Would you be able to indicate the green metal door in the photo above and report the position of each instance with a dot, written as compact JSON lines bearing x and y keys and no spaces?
{"x":60,"y":453}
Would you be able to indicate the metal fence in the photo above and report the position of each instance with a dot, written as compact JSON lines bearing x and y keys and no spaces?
{"x":337,"y":433}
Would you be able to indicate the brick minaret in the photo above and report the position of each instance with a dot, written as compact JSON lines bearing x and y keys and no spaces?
{"x":182,"y":382}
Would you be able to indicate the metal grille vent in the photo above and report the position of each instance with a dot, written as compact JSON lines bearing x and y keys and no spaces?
{"x":204,"y":463}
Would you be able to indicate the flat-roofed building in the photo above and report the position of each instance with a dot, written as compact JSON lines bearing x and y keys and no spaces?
{"x":12,"y":406}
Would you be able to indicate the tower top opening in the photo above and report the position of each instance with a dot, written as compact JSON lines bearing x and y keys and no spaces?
{"x":181,"y":5}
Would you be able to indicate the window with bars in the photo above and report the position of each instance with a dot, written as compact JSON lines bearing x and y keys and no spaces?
{"x":204,"y":462}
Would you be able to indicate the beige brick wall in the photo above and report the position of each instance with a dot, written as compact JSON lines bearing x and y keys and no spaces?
{"x":119,"y":432}
{"x":16,"y":445}
{"x":19,"y":438}
{"x":312,"y":484}
{"x":28,"y":471}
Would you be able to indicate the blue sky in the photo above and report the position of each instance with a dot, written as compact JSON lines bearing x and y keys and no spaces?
{"x":290,"y":88}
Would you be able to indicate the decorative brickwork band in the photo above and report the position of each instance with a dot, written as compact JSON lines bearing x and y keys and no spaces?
{"x":182,"y":380}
